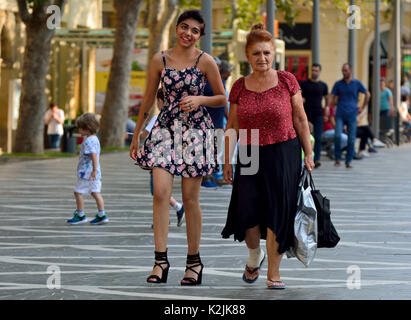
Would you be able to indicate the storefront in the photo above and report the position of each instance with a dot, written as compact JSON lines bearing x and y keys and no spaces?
{"x":298,"y":54}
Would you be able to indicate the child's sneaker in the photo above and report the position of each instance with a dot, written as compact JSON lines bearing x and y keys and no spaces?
{"x":77,"y":219}
{"x":99,"y":220}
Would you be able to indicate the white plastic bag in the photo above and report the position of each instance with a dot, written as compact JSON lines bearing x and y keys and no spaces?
{"x":305,"y":224}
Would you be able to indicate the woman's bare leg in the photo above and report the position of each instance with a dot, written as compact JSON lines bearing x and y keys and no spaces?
{"x":274,"y":258}
{"x":191,"y":193}
{"x":252,"y":239}
{"x":163,"y":184}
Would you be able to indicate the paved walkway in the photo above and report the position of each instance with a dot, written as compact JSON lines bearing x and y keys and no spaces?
{"x":371,"y":207}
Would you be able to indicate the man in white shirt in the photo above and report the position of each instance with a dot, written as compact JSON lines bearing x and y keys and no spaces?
{"x":54,"y":120}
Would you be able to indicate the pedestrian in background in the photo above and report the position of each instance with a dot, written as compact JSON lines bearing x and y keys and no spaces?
{"x":263,"y":205}
{"x":345,"y":97}
{"x":182,"y":71}
{"x":386,"y":107}
{"x":405,"y":87}
{"x":54,"y":120}
{"x":88,"y":170}
{"x":368,"y":142}
{"x":225,"y":71}
{"x":405,"y":115}
{"x":130,"y":126}
{"x":219,"y":116}
{"x":329,"y":132}
{"x":314,"y":91}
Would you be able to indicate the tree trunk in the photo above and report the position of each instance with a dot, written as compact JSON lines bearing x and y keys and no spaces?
{"x":114,"y":117}
{"x":161,"y":15}
{"x":33,"y":101}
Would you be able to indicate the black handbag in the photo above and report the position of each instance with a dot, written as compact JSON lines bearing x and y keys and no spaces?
{"x":327,"y":235}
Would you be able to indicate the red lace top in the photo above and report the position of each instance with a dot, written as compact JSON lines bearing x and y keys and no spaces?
{"x":269,"y":111}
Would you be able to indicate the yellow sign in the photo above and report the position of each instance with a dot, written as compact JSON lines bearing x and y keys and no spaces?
{"x":137,"y":81}
{"x":137,"y":77}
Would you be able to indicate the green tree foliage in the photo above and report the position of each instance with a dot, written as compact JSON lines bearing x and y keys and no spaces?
{"x":367,"y":10}
{"x":190,"y":4}
{"x":246,"y":13}
{"x":249,"y":12}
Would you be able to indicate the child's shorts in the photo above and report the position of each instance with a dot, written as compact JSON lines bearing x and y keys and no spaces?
{"x":87,"y":186}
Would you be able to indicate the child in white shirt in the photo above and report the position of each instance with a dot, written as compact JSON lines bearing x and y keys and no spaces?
{"x":88,"y":170}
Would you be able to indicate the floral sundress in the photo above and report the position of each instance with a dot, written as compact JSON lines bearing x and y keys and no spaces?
{"x":182,"y":143}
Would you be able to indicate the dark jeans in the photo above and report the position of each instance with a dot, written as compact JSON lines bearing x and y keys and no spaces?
{"x":407,"y":127}
{"x":54,"y":140}
{"x":385,"y":121}
{"x":127,"y":142}
{"x":318,"y":124}
{"x":364,"y":133}
{"x":351,"y":121}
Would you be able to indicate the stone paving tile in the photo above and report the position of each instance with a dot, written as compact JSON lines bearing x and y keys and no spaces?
{"x":371,"y":209}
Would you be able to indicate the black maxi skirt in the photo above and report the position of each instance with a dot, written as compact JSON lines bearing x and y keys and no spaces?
{"x":268,"y":198}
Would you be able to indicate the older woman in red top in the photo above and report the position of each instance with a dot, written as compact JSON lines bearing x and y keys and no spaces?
{"x":263,"y":201}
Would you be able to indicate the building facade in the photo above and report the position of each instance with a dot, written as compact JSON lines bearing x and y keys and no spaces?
{"x":82,"y":43}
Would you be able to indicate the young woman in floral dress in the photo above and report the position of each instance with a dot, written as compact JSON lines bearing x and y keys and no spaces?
{"x":181,"y":141}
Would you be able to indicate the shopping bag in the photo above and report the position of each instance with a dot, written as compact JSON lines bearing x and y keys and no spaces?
{"x":305,"y":224}
{"x":327,"y":235}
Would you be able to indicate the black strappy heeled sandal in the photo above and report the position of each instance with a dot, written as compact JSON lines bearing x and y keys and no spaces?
{"x":195,"y":261}
{"x":161,"y":257}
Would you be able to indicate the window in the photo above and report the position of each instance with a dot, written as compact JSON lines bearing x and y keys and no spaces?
{"x":298,"y":64}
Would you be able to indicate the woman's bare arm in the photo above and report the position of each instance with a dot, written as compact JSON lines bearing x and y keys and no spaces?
{"x":230,"y":142}
{"x":231,"y":134}
{"x":153,"y":81}
{"x":209,"y":68}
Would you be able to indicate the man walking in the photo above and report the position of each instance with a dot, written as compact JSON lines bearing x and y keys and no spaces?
{"x":345,"y":96}
{"x":313,"y":92}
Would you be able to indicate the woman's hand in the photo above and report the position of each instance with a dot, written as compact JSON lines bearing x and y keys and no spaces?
{"x":190,"y":103}
{"x":309,"y":163}
{"x":134,"y":145}
{"x":228,"y":173}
